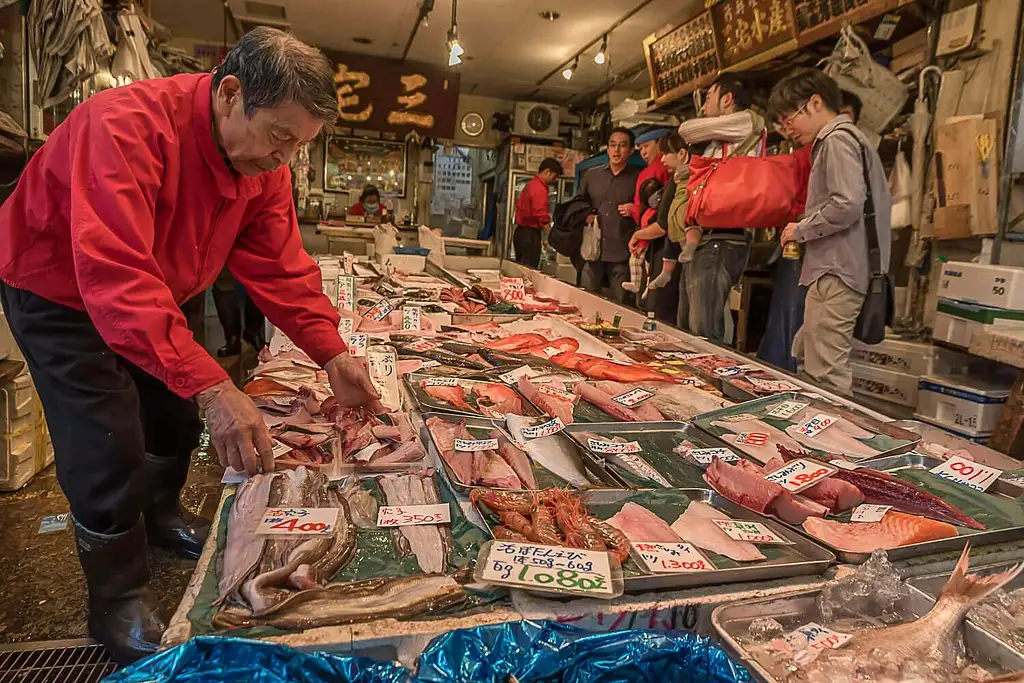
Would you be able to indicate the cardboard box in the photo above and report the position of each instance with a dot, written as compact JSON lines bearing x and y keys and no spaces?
{"x":951,"y":222}
{"x":988,"y":285}
{"x":964,"y":179}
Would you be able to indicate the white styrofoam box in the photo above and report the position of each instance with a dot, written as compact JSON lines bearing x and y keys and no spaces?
{"x":969,"y":404}
{"x":888,"y":385}
{"x":989,"y":285}
{"x":954,"y":329}
{"x":407,"y":263}
{"x":894,"y":354}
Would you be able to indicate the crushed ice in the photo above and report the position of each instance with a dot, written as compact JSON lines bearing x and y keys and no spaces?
{"x":871,"y":591}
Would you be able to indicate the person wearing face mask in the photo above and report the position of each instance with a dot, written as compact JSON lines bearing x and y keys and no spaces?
{"x":368,"y":204}
{"x":130,"y":209}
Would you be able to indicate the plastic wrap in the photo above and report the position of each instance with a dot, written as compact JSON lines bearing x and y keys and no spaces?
{"x":553,"y":652}
{"x":228,"y":660}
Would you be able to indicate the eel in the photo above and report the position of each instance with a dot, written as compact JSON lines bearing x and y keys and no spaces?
{"x":244,"y":549}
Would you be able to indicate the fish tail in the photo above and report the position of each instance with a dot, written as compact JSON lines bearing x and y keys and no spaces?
{"x":974,"y":588}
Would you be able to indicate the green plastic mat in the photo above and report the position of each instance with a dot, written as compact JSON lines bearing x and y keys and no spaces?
{"x":374,"y":556}
{"x":658,"y":452}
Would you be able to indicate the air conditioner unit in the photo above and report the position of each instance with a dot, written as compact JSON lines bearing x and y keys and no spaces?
{"x":536,"y":120}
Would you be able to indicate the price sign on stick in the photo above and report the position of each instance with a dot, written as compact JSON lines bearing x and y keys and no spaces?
{"x":298,"y":521}
{"x":787,"y":409}
{"x":346,"y":326}
{"x":816,"y":425}
{"x":513,"y":290}
{"x":705,"y":456}
{"x":967,"y":472}
{"x":671,"y":558}
{"x":547,"y":568}
{"x":869,"y":513}
{"x":357,"y":345}
{"x":380,"y":310}
{"x":552,"y":426}
{"x":413,"y":515}
{"x":346,"y":292}
{"x":796,"y":475}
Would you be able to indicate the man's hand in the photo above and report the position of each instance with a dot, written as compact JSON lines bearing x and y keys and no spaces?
{"x":789,"y":234}
{"x":633,"y":243}
{"x":236,"y":428}
{"x":625,"y":209}
{"x":351,"y":383}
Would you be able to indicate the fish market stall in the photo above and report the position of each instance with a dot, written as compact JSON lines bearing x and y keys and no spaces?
{"x":535,"y":462}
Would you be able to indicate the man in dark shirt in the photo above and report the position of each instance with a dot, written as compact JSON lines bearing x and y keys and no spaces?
{"x":610,"y":191}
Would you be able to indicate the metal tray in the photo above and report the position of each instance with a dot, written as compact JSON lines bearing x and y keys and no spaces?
{"x":979,"y":452}
{"x":932,"y":584}
{"x":908,"y":439}
{"x":813,"y":558}
{"x":460,"y":318}
{"x":683,"y":430}
{"x":594,"y":470}
{"x":427,"y":404}
{"x":732,"y":620}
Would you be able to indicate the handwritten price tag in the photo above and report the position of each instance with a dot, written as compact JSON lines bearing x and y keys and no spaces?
{"x":512,"y":376}
{"x":557,"y":393}
{"x":816,"y":425}
{"x":380,"y":310}
{"x":346,"y":292}
{"x":441,"y":382}
{"x":869,"y":513}
{"x":357,"y":345}
{"x":705,"y":456}
{"x":512,"y":289}
{"x":816,"y":637}
{"x":730,"y":371}
{"x":787,"y":409}
{"x":413,"y":515}
{"x":973,"y":474}
{"x":692,"y":382}
{"x":546,"y":568}
{"x":751,"y":532}
{"x":411,"y":317}
{"x":346,"y":326}
{"x":552,"y":426}
{"x":424,"y":365}
{"x":797,"y":475}
{"x":476,"y":444}
{"x":672,"y":558}
{"x":423,"y":345}
{"x":280,"y":449}
{"x":599,"y":446}
{"x":298,"y":522}
{"x":775,"y":386}
{"x":551,"y":351}
{"x":633,"y":397}
{"x":755,"y":439}
{"x":637,"y":465}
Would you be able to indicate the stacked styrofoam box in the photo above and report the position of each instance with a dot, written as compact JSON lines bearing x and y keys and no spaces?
{"x":25,"y":446}
{"x":892,"y":369}
{"x":969,"y":404}
{"x":974,"y":295}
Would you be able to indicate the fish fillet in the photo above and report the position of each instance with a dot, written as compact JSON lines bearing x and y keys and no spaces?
{"x":894,"y":530}
{"x":837,"y":442}
{"x":842,"y":424}
{"x":516,"y":459}
{"x":445,"y":433}
{"x":641,"y":525}
{"x":695,"y":526}
{"x":752,"y":491}
{"x":244,"y":548}
{"x":453,"y":396}
{"x":490,"y":470}
{"x":554,"y":453}
{"x":603,"y":401}
{"x":424,"y":539}
{"x":751,"y":425}
{"x":552,"y":405}
{"x":498,"y":397}
{"x":645,"y":411}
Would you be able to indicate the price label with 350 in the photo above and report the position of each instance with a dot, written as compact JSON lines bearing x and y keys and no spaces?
{"x":413,"y":515}
{"x":298,"y":521}
{"x":967,"y":472}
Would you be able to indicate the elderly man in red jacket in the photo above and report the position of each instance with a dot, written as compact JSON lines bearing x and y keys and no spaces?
{"x":132,"y":207}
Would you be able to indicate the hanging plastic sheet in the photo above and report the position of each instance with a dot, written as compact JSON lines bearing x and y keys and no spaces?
{"x":549,"y":652}
{"x":228,"y":660}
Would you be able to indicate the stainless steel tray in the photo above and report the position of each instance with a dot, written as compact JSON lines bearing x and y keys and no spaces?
{"x":979,"y":452}
{"x":915,"y":460}
{"x":932,"y":584}
{"x":806,"y":557}
{"x":428,"y":404}
{"x":592,"y":468}
{"x":459,"y":318}
{"x":732,"y":620}
{"x":676,"y":476}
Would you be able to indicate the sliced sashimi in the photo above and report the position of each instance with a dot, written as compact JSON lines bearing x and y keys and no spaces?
{"x":592,"y":394}
{"x":894,"y":530}
{"x":645,"y":410}
{"x":516,"y":459}
{"x":552,"y":405}
{"x":641,"y":525}
{"x":696,"y":526}
{"x":454,"y":396}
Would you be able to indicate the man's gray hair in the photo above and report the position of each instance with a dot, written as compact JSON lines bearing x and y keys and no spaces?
{"x":276,"y":69}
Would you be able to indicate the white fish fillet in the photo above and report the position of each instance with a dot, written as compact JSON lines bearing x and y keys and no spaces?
{"x":640,"y":524}
{"x":838,"y":442}
{"x":424,"y":539}
{"x":554,"y":453}
{"x":753,"y":425}
{"x":695,"y":526}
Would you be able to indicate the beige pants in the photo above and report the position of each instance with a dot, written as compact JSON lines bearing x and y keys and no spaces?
{"x":822,"y":345}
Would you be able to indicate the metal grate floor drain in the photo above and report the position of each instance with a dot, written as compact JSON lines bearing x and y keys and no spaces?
{"x":54,"y":661}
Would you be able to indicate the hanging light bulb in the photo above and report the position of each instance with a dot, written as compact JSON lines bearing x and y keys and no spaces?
{"x":602,"y":55}
{"x":570,"y":70}
{"x":455,"y":51}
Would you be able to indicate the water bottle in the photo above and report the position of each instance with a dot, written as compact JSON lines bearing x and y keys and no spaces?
{"x":650,"y":324}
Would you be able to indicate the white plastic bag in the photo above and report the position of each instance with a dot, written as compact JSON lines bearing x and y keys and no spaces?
{"x":854,"y":69}
{"x":591,"y":248}
{"x":899,"y":188}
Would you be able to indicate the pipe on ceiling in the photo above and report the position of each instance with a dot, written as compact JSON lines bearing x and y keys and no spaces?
{"x":426,"y":7}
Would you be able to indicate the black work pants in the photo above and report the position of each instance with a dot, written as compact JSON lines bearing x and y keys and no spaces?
{"x":104,"y":413}
{"x":528,"y":242}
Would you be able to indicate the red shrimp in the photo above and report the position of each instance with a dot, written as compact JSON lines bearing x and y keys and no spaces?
{"x":544,"y":529}
{"x":563,"y":516}
{"x":519,"y":524}
{"x":618,"y":544}
{"x":503,"y":533}
{"x":504,"y":501}
{"x":591,"y":538}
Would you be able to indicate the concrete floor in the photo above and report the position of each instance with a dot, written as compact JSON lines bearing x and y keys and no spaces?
{"x":42,"y":595}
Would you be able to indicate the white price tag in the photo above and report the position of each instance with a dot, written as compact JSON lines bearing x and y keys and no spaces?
{"x":357,"y":345}
{"x":429,"y":364}
{"x":557,"y":393}
{"x":672,"y":558}
{"x":633,"y":397}
{"x":751,"y":532}
{"x":552,"y":426}
{"x":730,"y":371}
{"x":512,"y":376}
{"x":776,"y":386}
{"x":692,"y":382}
{"x":423,"y":345}
{"x":844,"y":464}
{"x":816,"y":637}
{"x":413,"y":515}
{"x":641,"y":467}
{"x":297,"y":522}
{"x":441,"y":382}
{"x":694,"y":355}
{"x":476,"y":444}
{"x":380,"y":310}
{"x":869,"y":513}
{"x":787,"y":409}
{"x":599,"y":446}
{"x":705,"y":456}
{"x":796,"y":475}
{"x":512,"y":289}
{"x":346,"y":326}
{"x":817,"y":424}
{"x":280,"y":449}
{"x":967,"y":472}
{"x":346,"y":293}
{"x":755,"y":439}
{"x":411,"y":317}
{"x":548,"y":568}
{"x":551,"y":351}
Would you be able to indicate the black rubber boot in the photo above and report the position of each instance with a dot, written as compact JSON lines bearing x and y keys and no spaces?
{"x":168,"y":524}
{"x":123,"y":613}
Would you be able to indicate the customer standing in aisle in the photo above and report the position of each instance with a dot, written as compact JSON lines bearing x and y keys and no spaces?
{"x":533,"y":213}
{"x":610,"y":190}
{"x":651,"y":234}
{"x":132,"y":207}
{"x":833,"y":230}
{"x":730,"y":128}
{"x":664,"y":287}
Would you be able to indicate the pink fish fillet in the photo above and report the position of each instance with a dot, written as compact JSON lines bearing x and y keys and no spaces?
{"x":552,"y":405}
{"x":762,"y":450}
{"x":644,"y":410}
{"x":640,"y":524}
{"x":749,"y":489}
{"x":516,"y":459}
{"x":490,"y":470}
{"x":445,"y":433}
{"x":695,"y":526}
{"x":592,"y":394}
{"x":835,"y":494}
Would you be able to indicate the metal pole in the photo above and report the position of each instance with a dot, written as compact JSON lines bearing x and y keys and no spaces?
{"x":1006,"y":173}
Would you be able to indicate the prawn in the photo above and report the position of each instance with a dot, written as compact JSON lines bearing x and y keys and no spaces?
{"x":517,"y":523}
{"x":618,"y":544}
{"x":504,"y":501}
{"x":544,"y":529}
{"x":503,"y":533}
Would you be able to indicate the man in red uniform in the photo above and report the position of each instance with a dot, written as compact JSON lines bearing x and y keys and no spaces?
{"x":133,"y":206}
{"x":533,"y":213}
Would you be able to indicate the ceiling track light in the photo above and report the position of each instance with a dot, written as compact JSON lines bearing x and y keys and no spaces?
{"x":570,"y":70}
{"x":602,"y":56}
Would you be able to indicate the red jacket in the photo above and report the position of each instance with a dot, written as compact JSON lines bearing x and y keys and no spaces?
{"x":532,"y":207}
{"x":129,"y":210}
{"x":655,"y":169}
{"x":359,"y":209}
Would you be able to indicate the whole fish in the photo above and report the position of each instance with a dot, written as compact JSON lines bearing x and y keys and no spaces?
{"x":443,"y":357}
{"x":243,"y":549}
{"x":454,"y":396}
{"x":500,"y":399}
{"x":554,"y":453}
{"x":928,"y":643}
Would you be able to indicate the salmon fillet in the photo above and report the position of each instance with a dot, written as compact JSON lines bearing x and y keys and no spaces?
{"x":895,"y":529}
